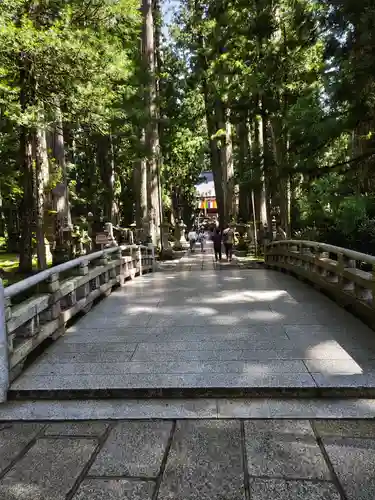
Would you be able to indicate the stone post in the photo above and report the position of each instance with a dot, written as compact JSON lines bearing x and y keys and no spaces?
{"x":131,"y":237}
{"x":274,"y":228}
{"x":4,"y":364}
{"x":165,"y":235}
{"x":108,"y":229}
{"x":153,"y":258}
{"x":140,"y":260}
{"x":90,"y":243}
{"x":179,"y":235}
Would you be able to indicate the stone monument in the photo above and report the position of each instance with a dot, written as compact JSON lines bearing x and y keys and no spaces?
{"x":179,"y":235}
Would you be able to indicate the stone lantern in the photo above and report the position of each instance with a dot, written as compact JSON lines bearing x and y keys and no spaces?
{"x":164,"y":226}
{"x":179,"y":235}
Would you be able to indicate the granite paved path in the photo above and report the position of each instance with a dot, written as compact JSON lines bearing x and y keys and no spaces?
{"x":188,"y":460}
{"x":198,"y":326}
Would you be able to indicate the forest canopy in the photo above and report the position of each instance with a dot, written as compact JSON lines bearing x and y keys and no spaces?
{"x":109,"y":112}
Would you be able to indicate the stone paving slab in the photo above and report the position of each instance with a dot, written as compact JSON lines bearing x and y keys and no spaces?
{"x":115,"y":489}
{"x":48,"y":471}
{"x":191,"y":459}
{"x":209,"y":345}
{"x":353,"y":461}
{"x":353,"y":429}
{"x":13,"y":439}
{"x":103,"y":356}
{"x":335,"y":381}
{"x":102,"y":346}
{"x":251,"y":332}
{"x":340,"y":366}
{"x":278,"y":489}
{"x":114,"y":409}
{"x":284,"y":448}
{"x":205,"y":462}
{"x":96,"y":429}
{"x":133,"y":449}
{"x":124,"y":382}
{"x":262,"y":355}
{"x":296,"y":408}
{"x":117,"y":409}
{"x":197,"y":367}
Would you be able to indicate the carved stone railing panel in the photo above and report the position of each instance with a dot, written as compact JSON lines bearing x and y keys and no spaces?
{"x":40,"y":306}
{"x":333,"y":269}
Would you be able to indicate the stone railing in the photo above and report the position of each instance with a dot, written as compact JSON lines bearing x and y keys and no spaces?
{"x":39,"y":307}
{"x":332,"y":269}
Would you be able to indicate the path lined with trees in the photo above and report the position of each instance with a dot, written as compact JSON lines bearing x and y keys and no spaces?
{"x":104,"y":116}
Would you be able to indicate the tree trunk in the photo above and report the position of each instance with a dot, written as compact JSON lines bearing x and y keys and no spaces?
{"x":214,"y":156}
{"x":176,"y":205}
{"x":260,"y":136}
{"x":104,"y":159}
{"x":266,"y":170}
{"x":57,"y":146}
{"x":140,"y":186}
{"x":243,"y":167}
{"x":2,"y":218}
{"x":212,"y":124}
{"x":226,"y":155}
{"x":12,"y":224}
{"x":27,"y":203}
{"x":152,"y":136}
{"x":158,"y":69}
{"x":279,"y":151}
{"x":40,"y":172}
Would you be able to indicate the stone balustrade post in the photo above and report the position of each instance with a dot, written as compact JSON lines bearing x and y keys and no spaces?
{"x":129,"y":267}
{"x":317,"y":254}
{"x":83,"y":268}
{"x":8,"y":309}
{"x":153,"y":258}
{"x":4,"y":363}
{"x":301,"y":250}
{"x":132,"y":263}
{"x":140,"y":260}
{"x":52,"y":287}
{"x":121,"y":269}
{"x":343,"y":263}
{"x":292,"y":250}
{"x":103,"y":261}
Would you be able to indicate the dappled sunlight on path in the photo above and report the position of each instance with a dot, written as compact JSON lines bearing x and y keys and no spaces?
{"x":209,"y":327}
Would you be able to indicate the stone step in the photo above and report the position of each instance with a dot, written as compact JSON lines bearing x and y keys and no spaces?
{"x":179,"y":392}
{"x":121,"y":409}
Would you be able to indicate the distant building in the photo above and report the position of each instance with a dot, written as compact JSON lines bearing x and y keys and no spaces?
{"x":205,"y":192}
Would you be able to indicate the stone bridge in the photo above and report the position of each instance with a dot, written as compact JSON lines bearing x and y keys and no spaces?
{"x":194,"y":328}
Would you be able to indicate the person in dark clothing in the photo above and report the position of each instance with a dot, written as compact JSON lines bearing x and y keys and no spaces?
{"x":228,"y":239}
{"x":216,"y":238}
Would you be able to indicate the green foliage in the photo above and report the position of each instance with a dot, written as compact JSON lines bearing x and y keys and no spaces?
{"x":299,"y":73}
{"x":184,"y":137}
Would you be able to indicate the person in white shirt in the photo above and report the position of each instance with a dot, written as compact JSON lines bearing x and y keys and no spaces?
{"x":192,"y":237}
{"x":201,"y":238}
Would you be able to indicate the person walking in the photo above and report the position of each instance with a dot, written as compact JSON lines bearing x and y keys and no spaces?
{"x":228,"y":242}
{"x":192,"y":237}
{"x":216,"y":239}
{"x":201,"y":238}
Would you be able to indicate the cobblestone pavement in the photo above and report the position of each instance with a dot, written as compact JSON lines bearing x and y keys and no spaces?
{"x":188,"y":459}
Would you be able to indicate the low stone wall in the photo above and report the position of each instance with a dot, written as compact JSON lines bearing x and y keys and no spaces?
{"x":40,"y":306}
{"x":332,"y":269}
